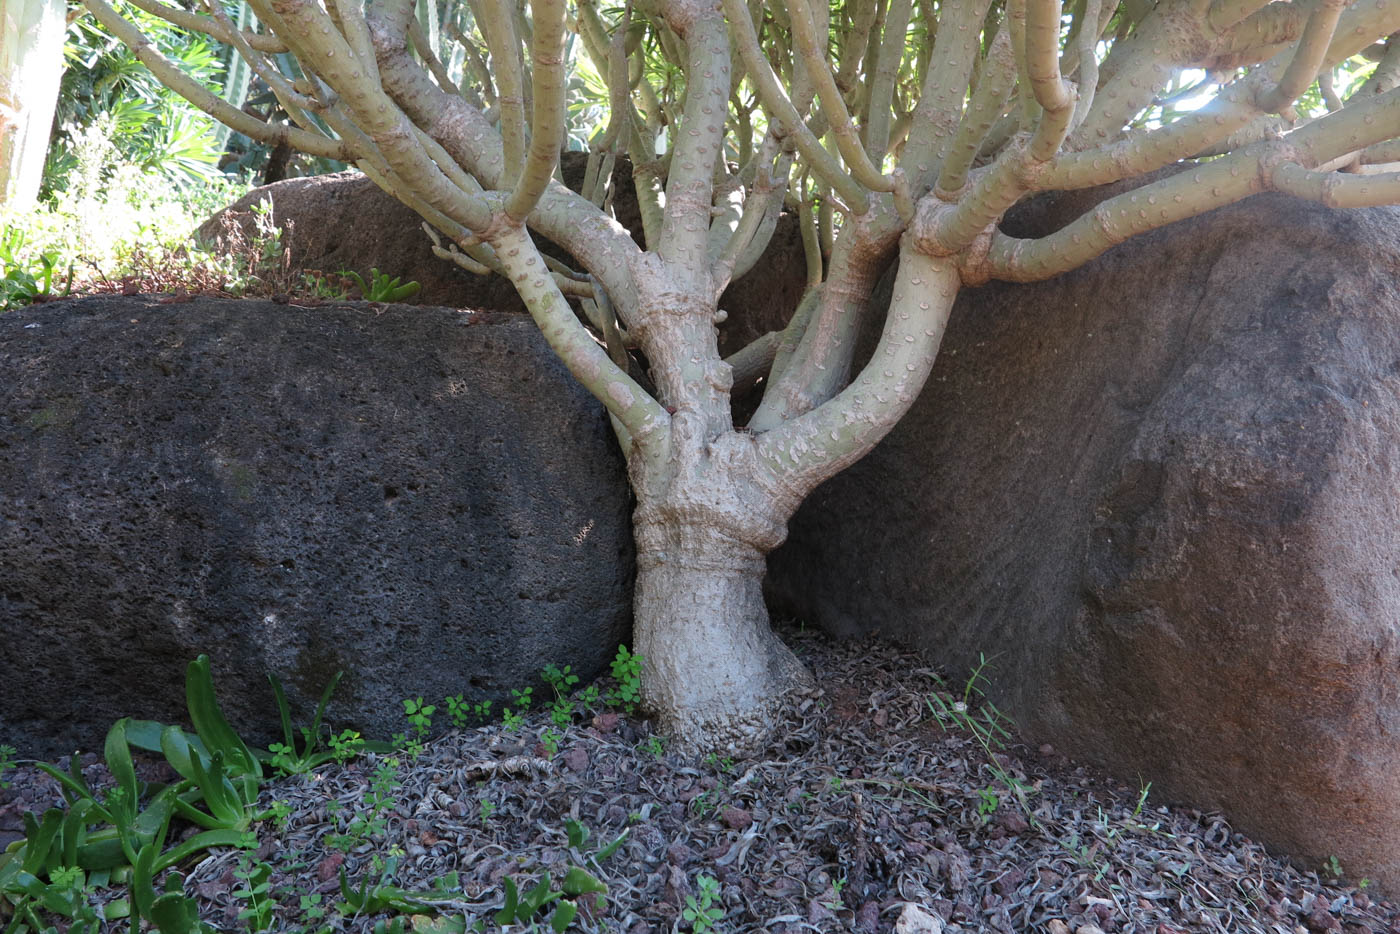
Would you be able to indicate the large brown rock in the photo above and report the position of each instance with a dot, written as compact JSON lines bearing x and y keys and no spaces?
{"x":1161,"y":494}
{"x":421,"y":497}
{"x":345,"y":222}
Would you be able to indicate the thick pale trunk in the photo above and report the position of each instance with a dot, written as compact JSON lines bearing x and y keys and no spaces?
{"x":31,"y":66}
{"x":714,"y":671}
{"x":707,"y":514}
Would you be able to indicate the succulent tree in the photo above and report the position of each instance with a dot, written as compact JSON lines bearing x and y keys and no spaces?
{"x":895,"y":130}
{"x":31,"y":65}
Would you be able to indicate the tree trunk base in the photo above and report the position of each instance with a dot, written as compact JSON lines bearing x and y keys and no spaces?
{"x":713,"y":671}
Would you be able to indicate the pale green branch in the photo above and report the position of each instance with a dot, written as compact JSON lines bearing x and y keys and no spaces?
{"x":171,"y":76}
{"x":753,"y":361}
{"x":1307,"y":57}
{"x":697,"y":140}
{"x":1195,"y":191}
{"x":987,"y":105}
{"x":939,"y":111}
{"x":791,"y":336}
{"x":497,"y":25}
{"x":880,"y":104}
{"x":1226,"y":14}
{"x":548,"y":124}
{"x":642,"y":415}
{"x":780,"y":109}
{"x":1336,"y":189}
{"x":198,"y":22}
{"x":1090,"y":28}
{"x":808,"y":449}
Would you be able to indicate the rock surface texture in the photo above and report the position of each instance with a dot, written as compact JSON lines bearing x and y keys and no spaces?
{"x":343,"y":221}
{"x":1161,"y":494}
{"x":421,"y":497}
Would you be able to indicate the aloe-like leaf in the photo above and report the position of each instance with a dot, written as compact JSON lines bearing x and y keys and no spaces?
{"x":578,"y":834}
{"x":508,"y":912}
{"x":143,"y":893}
{"x":563,"y":915}
{"x":41,"y":837}
{"x":578,"y":881}
{"x":203,"y":841}
{"x":219,"y":794}
{"x":542,"y":894}
{"x":118,"y":755}
{"x":101,"y":851}
{"x":283,"y":711}
{"x":146,"y":734}
{"x":179,"y":752}
{"x":209,"y":720}
{"x":321,"y":706}
{"x":74,"y":831}
{"x":174,"y":913}
{"x":611,"y":848}
{"x":355,"y":900}
{"x":436,"y":924}
{"x":73,"y":785}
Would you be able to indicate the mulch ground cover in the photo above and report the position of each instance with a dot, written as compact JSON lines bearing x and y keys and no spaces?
{"x":873,"y":809}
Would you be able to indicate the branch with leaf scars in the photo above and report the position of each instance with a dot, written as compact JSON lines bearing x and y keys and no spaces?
{"x":171,"y":76}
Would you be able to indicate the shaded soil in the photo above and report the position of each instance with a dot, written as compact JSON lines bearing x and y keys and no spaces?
{"x":863,"y":806}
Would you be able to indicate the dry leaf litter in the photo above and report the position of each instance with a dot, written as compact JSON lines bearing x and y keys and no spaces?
{"x":866,"y":814}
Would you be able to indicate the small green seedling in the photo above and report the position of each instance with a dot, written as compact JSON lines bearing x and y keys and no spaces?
{"x":380,"y":288}
{"x":419,"y":714}
{"x":627,"y":671}
{"x":700,"y":910}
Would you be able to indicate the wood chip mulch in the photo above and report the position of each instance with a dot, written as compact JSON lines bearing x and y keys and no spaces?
{"x":863,"y":815}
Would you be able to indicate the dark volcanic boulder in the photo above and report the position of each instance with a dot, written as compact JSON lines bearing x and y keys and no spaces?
{"x":419,"y":496}
{"x":344,"y":221}
{"x":1163,"y":494}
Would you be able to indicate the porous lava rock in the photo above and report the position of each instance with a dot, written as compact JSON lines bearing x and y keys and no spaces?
{"x":344,"y":221}
{"x":420,"y":497}
{"x":1160,"y":494}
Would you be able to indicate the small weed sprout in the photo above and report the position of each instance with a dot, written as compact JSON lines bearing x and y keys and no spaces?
{"x":702,"y":805}
{"x":655,"y":746}
{"x":255,"y":892}
{"x":989,"y":726}
{"x":591,"y":698}
{"x":379,"y":802}
{"x":627,"y":671}
{"x":346,"y":745}
{"x":280,"y":813}
{"x":419,"y":714}
{"x":462,"y":712}
{"x":1333,"y":867}
{"x":550,"y":740}
{"x":562,"y":681}
{"x":488,"y":808}
{"x":700,"y":909}
{"x":311,"y":907}
{"x":458,"y":710}
{"x":722,"y":765}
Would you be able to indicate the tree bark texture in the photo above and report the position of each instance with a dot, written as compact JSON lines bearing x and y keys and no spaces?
{"x":31,"y":66}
